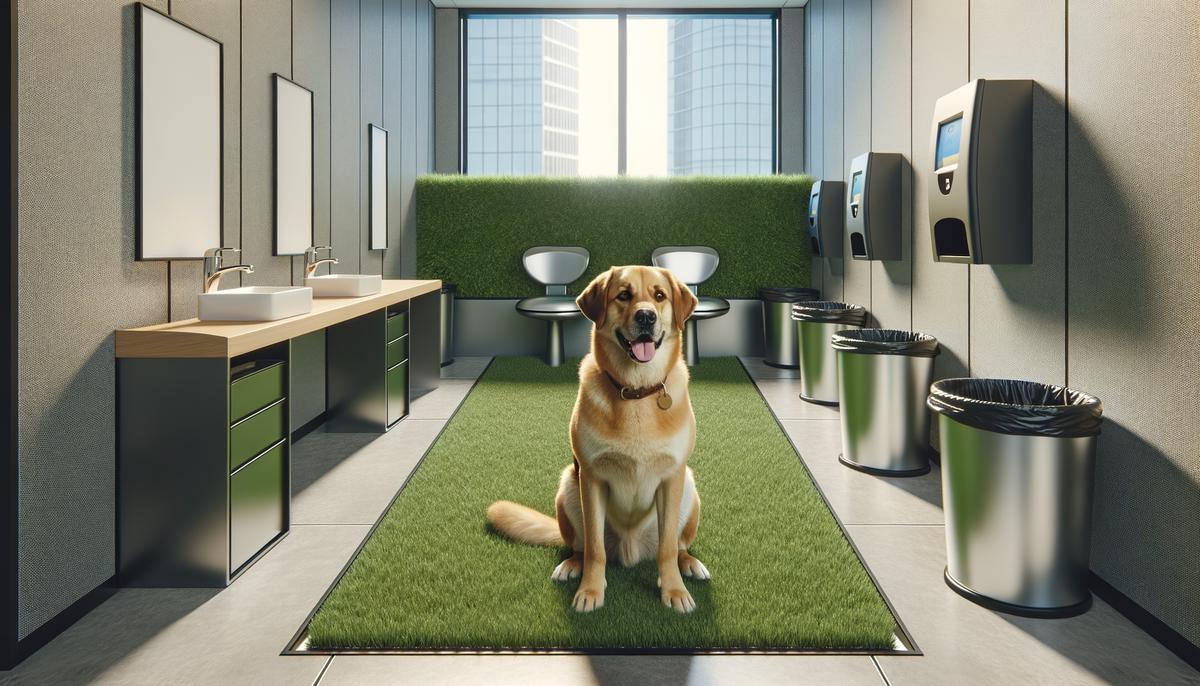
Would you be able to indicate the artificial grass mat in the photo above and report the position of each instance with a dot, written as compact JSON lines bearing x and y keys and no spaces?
{"x":434,"y":576}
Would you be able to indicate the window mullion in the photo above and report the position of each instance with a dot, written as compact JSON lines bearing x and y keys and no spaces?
{"x":622,"y":65}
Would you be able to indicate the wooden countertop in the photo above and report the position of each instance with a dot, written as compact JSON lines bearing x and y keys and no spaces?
{"x":194,"y":338}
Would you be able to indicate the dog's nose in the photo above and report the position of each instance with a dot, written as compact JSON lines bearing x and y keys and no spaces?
{"x":645,"y":317}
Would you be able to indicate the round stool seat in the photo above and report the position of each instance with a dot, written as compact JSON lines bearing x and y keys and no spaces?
{"x":710,"y":307}
{"x":549,"y":307}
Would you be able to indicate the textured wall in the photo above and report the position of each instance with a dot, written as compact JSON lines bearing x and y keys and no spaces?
{"x":78,"y":279}
{"x":1106,"y":304}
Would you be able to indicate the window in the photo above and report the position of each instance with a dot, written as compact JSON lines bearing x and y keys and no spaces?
{"x":543,"y":94}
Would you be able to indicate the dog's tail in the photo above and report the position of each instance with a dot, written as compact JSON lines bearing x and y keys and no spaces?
{"x":524,"y":524}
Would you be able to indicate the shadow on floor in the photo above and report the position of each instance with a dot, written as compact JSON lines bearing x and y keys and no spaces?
{"x":662,"y":670}
{"x":123,"y":625}
{"x":320,"y":452}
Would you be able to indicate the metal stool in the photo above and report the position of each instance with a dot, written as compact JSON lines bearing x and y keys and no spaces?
{"x":554,"y":267}
{"x":693,"y":265}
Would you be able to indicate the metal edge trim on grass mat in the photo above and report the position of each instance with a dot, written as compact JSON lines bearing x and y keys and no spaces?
{"x":296,"y":646}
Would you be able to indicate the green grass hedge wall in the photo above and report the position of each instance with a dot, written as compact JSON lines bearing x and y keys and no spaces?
{"x":472,"y":230}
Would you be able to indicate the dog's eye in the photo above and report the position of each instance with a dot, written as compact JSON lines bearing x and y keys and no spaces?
{"x":624,"y":296}
{"x":660,"y":296}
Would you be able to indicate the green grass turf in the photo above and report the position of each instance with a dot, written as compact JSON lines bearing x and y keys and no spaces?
{"x":433,"y":575}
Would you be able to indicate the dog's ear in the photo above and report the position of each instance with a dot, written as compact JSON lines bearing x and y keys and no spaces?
{"x":683,"y":301}
{"x":593,"y":301}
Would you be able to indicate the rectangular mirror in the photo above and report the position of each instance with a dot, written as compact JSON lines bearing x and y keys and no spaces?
{"x":179,"y":103}
{"x":293,"y":167}
{"x":378,"y":184}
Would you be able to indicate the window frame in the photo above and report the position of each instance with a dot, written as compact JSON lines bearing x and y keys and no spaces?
{"x":622,"y":15}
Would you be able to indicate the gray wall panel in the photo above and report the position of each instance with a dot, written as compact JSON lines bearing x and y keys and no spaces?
{"x":346,"y":135}
{"x":939,"y":290}
{"x":370,"y":108}
{"x":310,"y":68}
{"x":408,"y":123}
{"x":446,"y":90}
{"x":814,"y":135}
{"x":393,"y":99}
{"x":77,"y":282}
{"x":891,"y":131}
{"x":1134,"y":260}
{"x":791,"y":87}
{"x":856,"y":118}
{"x":266,"y":50}
{"x":833,"y":162}
{"x":1018,"y":311}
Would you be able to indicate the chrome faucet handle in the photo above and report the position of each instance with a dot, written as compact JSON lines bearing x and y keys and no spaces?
{"x":217,"y":257}
{"x":311,"y":263}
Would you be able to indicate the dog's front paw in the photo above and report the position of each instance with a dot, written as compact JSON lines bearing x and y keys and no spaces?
{"x":569,"y":568}
{"x":692,"y":568}
{"x":588,"y":599}
{"x":678,"y":599}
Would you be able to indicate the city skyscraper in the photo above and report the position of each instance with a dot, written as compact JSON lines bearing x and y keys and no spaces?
{"x":523,"y":96}
{"x":720,"y":108}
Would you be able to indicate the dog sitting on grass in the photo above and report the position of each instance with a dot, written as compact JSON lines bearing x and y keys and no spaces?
{"x":629,"y":491}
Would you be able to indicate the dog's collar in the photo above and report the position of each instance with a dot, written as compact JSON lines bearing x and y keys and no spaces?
{"x":627,"y":393}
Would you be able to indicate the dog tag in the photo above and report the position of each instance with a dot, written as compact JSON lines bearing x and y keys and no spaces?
{"x":664,"y":401}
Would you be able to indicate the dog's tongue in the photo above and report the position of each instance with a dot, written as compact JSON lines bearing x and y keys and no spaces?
{"x":643,"y":351}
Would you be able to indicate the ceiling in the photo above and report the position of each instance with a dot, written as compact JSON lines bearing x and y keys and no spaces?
{"x":627,"y":4}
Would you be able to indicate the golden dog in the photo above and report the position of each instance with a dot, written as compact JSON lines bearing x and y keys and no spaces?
{"x":629,"y":491}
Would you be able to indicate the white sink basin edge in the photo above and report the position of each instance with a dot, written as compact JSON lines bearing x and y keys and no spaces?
{"x":255,"y":303}
{"x":344,"y":285}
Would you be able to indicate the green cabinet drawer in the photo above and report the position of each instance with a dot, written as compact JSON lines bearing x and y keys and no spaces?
{"x":397,"y":393}
{"x":254,"y":386}
{"x":397,"y":351}
{"x":256,"y":433}
{"x":256,"y":505}
{"x":397,"y":325}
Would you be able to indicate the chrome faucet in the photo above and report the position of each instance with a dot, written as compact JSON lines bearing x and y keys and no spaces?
{"x":311,"y":263}
{"x":214,"y":267}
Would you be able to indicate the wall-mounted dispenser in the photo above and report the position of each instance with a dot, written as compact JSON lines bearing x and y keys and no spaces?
{"x":873,"y":205}
{"x":825,"y":224}
{"x":980,"y":201}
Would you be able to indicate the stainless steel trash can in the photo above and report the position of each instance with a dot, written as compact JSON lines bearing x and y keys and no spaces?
{"x":781,"y":345}
{"x":446,"y":338}
{"x":1017,"y":465}
{"x":817,"y":321}
{"x":883,"y":379}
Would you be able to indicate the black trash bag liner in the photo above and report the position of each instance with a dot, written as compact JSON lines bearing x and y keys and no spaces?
{"x":1022,"y":408}
{"x":788,"y":294}
{"x":449,"y":287}
{"x":830,"y":312}
{"x":886,"y":342}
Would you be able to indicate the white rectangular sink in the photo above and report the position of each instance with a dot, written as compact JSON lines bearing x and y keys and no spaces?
{"x":255,"y":303}
{"x":344,"y":285}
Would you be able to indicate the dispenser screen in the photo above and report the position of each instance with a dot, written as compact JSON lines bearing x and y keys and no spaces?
{"x":812,"y":204}
{"x":856,"y":188}
{"x":949,"y":141}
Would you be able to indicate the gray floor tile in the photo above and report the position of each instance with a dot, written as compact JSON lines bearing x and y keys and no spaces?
{"x":201,"y":636}
{"x":758,"y":369}
{"x":860,"y":498}
{"x":351,"y":481}
{"x":965,"y":643}
{"x":441,"y":402}
{"x":784,"y":397}
{"x":601,"y":670}
{"x":465,"y":367}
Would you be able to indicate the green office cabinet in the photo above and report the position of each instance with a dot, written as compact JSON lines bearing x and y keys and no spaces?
{"x":397,"y":392}
{"x":397,"y":351}
{"x":256,"y":433}
{"x":397,"y":325}
{"x":256,"y":508}
{"x":255,"y":385}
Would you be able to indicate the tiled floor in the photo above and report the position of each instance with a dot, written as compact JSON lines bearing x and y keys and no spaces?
{"x":342,"y":482}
